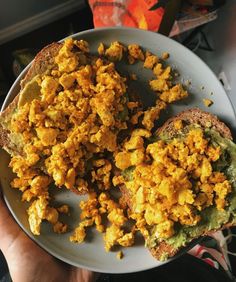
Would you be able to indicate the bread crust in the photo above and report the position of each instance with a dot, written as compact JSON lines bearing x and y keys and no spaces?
{"x":43,"y":62}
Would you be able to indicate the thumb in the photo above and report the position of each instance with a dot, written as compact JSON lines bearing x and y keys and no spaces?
{"x":9,"y":229}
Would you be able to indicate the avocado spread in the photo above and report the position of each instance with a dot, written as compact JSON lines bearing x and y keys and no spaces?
{"x":211,"y":218}
{"x":30,"y":92}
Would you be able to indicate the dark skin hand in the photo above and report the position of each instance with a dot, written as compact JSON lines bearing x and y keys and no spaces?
{"x":27,"y":261}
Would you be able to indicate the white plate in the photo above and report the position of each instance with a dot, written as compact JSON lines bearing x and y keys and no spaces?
{"x":91,"y":255}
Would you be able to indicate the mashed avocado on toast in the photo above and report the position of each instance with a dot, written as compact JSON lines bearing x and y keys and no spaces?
{"x":211,"y":217}
{"x":185,"y":185}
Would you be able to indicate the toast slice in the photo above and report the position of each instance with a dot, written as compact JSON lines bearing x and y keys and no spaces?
{"x":65,"y":116}
{"x":205,"y":120}
{"x":43,"y":62}
{"x":212,"y":218}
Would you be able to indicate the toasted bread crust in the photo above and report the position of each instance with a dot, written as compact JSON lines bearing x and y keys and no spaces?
{"x":4,"y":140}
{"x":196,"y":116}
{"x":43,"y":62}
{"x":5,"y":117}
{"x":163,"y":248}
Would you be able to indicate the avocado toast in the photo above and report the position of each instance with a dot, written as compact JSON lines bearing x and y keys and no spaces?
{"x":184,"y":187}
{"x":61,"y":127}
{"x":43,"y":62}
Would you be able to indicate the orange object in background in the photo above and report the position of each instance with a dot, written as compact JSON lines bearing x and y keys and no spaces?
{"x":132,"y":13}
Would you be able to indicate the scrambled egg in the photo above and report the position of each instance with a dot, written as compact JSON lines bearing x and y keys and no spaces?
{"x":207,"y":102}
{"x":171,"y":182}
{"x":40,"y":210}
{"x":114,"y":52}
{"x":92,"y":211}
{"x":72,"y":128}
{"x":165,"y":55}
{"x":152,"y":114}
{"x":73,"y":120}
{"x":135,"y":53}
{"x":163,"y":85}
{"x":120,"y":255}
{"x":150,"y":60}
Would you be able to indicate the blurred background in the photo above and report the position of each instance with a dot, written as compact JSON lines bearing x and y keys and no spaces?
{"x":206,"y":27}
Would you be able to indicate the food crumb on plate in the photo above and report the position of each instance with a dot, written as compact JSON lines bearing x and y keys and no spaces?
{"x":207,"y":102}
{"x":188,"y":82}
{"x":135,"y":52}
{"x":176,"y":74}
{"x":133,"y":76}
{"x":165,"y":55}
{"x":150,"y":60}
{"x":63,"y":209}
{"x":119,"y":255}
{"x":101,"y":49}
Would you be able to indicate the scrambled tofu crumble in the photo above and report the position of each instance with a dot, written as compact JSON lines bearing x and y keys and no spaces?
{"x":72,"y":139}
{"x":207,"y":102}
{"x":120,"y":255}
{"x":69,"y":128}
{"x":171,"y":182}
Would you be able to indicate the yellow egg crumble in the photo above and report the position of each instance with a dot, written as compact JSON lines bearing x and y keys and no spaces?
{"x":71,"y":133}
{"x":170,"y":182}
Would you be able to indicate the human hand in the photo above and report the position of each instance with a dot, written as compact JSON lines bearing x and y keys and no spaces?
{"x":27,"y":261}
